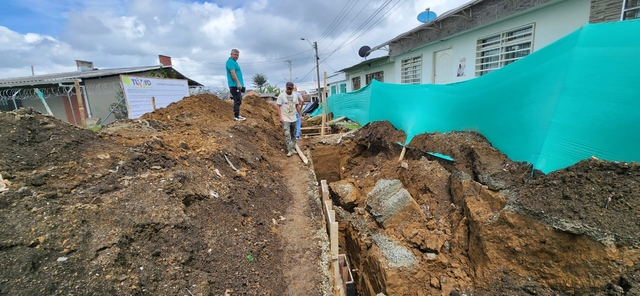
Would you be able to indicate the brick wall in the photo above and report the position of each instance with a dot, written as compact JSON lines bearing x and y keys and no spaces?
{"x":605,"y":11}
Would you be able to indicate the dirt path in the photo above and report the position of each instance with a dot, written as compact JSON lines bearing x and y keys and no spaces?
{"x":305,"y":253}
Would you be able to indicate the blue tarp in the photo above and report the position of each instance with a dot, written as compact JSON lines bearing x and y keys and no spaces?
{"x":573,"y":99}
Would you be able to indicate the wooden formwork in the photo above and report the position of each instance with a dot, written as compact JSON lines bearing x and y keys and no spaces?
{"x":343,"y":279}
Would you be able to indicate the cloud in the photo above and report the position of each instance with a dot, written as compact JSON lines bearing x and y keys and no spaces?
{"x":199,"y":35}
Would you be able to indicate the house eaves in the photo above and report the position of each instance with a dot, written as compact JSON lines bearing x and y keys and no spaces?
{"x":371,"y":61}
{"x":70,"y":77}
{"x":461,"y":11}
{"x":449,"y":24}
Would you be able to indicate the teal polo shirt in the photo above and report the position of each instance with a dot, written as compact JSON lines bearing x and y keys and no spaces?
{"x":233,"y":65}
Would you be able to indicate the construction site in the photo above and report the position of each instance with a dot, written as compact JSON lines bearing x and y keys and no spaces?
{"x":491,"y":150}
{"x":186,"y":201}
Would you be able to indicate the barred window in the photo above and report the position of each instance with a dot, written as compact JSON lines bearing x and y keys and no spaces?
{"x":411,"y":70}
{"x":377,"y":76}
{"x":501,"y":49}
{"x":630,"y":10}
{"x":355,"y":81}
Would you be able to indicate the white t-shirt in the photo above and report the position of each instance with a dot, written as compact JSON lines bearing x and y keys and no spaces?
{"x":287,"y":104}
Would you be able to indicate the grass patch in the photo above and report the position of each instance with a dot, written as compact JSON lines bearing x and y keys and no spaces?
{"x":94,"y":128}
{"x":352,"y":126}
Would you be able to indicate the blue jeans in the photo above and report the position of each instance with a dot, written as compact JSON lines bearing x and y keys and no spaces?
{"x":298,"y":125}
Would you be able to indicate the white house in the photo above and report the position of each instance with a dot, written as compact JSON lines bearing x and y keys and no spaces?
{"x":358,"y":76}
{"x":481,"y":36}
{"x":337,"y":83}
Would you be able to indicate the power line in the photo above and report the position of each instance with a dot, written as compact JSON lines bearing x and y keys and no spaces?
{"x":354,"y":18}
{"x":333,"y":23}
{"x":327,"y":64}
{"x":373,"y":15}
{"x":384,"y":16}
{"x":280,"y":59}
{"x":347,"y":11}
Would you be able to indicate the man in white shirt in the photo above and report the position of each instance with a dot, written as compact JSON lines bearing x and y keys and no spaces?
{"x":288,"y":105}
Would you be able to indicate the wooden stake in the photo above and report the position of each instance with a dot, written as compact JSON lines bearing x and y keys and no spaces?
{"x":301,"y":154}
{"x":324,"y":105}
{"x":153,"y":102}
{"x":83,"y":117}
{"x":404,"y":149}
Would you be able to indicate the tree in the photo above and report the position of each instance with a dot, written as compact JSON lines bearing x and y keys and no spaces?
{"x":119,"y":108}
{"x":163,"y":74}
{"x":259,"y":80}
{"x":272,"y":89}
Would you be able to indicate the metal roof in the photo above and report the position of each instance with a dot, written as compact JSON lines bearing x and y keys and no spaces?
{"x":69,"y":77}
{"x":429,"y":24}
{"x":365,"y":62}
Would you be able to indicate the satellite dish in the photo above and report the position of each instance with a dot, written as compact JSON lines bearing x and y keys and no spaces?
{"x":427,"y":16}
{"x":364,"y":51}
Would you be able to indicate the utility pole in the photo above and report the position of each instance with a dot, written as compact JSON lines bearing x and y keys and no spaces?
{"x":315,"y":46}
{"x":290,"y":71}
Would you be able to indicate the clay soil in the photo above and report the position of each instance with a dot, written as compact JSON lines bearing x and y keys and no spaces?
{"x":482,"y":224}
{"x":153,"y":207}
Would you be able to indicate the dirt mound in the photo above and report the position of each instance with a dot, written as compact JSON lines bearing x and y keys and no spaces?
{"x":480,"y":224}
{"x":150,"y":206}
{"x":602,"y":197}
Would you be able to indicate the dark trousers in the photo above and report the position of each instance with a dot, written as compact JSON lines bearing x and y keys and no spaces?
{"x":236,"y":94}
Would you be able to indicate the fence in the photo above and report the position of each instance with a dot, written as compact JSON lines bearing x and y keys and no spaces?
{"x":107,"y":100}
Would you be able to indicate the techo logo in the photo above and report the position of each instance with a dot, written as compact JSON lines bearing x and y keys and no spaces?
{"x":141,"y":82}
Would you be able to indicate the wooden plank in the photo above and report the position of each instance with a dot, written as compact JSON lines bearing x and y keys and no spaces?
{"x":324,"y":103}
{"x":302,"y":156}
{"x":404,"y":149}
{"x":325,"y":189}
{"x":337,"y":119}
{"x":83,"y":117}
{"x":315,"y":127}
{"x":153,"y":103}
{"x":334,"y":242}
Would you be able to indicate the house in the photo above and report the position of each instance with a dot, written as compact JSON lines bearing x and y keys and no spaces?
{"x":358,"y":76}
{"x":479,"y":37}
{"x":337,"y":83}
{"x":268,"y":97}
{"x":100,"y":89}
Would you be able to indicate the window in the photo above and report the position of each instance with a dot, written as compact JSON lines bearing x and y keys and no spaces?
{"x":377,"y":76}
{"x":499,"y":50}
{"x":355,"y":82}
{"x":333,"y":90}
{"x":631,"y":10}
{"x":343,"y":88}
{"x":411,"y":70}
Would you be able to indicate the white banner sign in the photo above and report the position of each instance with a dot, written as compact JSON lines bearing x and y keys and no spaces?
{"x":139,"y":92}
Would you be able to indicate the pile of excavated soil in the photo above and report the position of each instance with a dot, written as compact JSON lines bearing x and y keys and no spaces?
{"x":153,"y":206}
{"x":480,"y":224}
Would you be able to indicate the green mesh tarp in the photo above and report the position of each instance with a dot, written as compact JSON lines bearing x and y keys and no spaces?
{"x":573,"y":99}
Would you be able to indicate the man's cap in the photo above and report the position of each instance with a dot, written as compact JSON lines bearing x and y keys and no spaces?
{"x":289,"y":84}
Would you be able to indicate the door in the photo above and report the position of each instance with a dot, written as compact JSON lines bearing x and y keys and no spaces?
{"x":442,"y":66}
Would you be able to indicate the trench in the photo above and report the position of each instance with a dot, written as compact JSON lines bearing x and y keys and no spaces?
{"x":327,"y":163}
{"x":364,"y":247}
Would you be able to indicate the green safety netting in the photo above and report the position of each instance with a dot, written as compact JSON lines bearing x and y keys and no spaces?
{"x":573,"y":99}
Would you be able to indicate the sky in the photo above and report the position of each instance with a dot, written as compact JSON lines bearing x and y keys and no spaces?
{"x":199,"y":35}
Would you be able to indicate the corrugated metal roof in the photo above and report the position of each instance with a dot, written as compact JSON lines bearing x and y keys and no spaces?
{"x":71,"y":76}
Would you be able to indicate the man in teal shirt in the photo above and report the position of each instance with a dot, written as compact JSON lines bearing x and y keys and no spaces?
{"x":234,"y":77}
